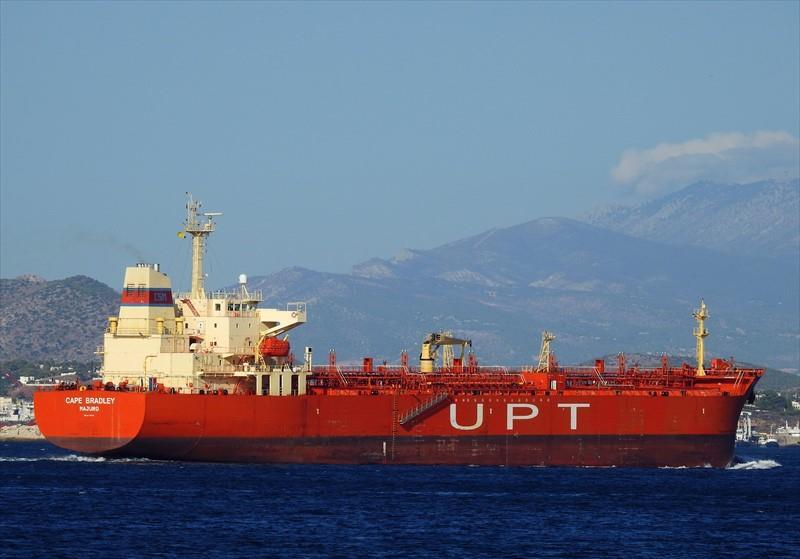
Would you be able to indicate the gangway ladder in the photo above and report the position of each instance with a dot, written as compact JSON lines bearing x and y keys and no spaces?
{"x":427,"y":406}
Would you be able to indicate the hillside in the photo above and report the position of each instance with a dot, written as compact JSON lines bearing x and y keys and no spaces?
{"x":761,"y":218}
{"x":61,"y":320}
{"x":598,"y":290}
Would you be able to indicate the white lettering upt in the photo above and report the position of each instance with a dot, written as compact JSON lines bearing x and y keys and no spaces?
{"x":573,"y":413}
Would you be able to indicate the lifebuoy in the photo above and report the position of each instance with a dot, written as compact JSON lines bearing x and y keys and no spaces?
{"x":82,"y":388}
{"x":294,"y":315}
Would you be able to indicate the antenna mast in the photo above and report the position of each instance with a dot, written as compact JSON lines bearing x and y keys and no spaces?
{"x":701,"y":333}
{"x":199,"y":231}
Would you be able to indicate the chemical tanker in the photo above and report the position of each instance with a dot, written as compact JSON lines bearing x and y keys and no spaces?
{"x":211,"y":376}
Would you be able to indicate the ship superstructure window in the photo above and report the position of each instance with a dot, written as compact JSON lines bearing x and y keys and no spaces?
{"x":217,"y":307}
{"x":230,"y":306}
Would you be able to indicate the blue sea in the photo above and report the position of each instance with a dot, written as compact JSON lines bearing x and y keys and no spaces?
{"x":57,"y":504}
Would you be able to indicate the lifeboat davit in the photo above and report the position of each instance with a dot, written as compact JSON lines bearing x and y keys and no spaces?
{"x":273,"y":347}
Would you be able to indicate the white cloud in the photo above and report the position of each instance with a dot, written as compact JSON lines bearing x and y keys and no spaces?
{"x":721,"y":156}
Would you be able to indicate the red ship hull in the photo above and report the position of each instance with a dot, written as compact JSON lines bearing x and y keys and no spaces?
{"x":575,"y":428}
{"x":163,"y":355}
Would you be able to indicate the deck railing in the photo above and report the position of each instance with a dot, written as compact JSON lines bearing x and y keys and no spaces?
{"x":482,"y":379}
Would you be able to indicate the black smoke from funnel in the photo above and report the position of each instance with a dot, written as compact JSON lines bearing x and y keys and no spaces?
{"x":92,"y":238}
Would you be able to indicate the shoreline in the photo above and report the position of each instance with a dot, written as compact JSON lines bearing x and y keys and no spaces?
{"x":20,"y":433}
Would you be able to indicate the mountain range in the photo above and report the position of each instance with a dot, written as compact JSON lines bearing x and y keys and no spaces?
{"x":760,"y":218}
{"x":624,"y":279}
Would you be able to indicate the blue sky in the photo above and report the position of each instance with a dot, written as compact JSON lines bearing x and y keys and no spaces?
{"x":329,"y":133}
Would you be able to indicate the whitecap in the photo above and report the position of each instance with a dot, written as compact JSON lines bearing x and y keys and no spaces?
{"x":755,"y":465}
{"x":706,"y":465}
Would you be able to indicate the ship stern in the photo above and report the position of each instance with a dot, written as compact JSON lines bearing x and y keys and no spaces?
{"x":89,"y":421}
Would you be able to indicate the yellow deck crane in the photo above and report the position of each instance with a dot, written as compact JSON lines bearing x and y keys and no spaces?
{"x":432,"y":343}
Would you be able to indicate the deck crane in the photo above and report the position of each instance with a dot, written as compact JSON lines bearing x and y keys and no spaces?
{"x":432,"y":343}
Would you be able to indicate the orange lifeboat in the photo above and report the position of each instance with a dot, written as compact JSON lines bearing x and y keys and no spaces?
{"x":273,"y":347}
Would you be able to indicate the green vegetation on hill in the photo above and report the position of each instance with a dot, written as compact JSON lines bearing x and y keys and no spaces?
{"x":62,"y":320}
{"x":779,"y":402}
{"x":11,"y":371}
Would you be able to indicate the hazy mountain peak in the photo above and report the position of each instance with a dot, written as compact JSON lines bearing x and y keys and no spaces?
{"x":760,"y":218}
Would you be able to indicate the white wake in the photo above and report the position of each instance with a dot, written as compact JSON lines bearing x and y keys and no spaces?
{"x":66,"y":458}
{"x":755,"y":465}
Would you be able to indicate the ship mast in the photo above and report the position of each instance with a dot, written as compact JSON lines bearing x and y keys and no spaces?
{"x":701,"y":333}
{"x":544,"y":352}
{"x":199,"y":231}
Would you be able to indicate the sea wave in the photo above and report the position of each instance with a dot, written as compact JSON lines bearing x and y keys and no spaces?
{"x":71,"y":458}
{"x":685,"y":467}
{"x":65,"y":458}
{"x":755,"y":465}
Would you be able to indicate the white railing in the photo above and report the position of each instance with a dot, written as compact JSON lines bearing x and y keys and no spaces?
{"x":256,"y":295}
{"x":236,"y":295}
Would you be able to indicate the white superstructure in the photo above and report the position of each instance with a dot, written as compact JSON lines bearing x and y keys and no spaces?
{"x":199,"y":340}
